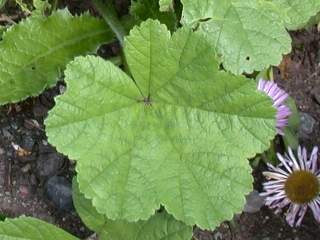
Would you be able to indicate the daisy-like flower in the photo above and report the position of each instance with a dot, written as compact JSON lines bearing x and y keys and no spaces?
{"x":278,"y":97}
{"x":295,"y":185}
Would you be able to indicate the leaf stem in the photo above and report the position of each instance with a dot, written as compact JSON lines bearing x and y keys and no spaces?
{"x":107,"y":11}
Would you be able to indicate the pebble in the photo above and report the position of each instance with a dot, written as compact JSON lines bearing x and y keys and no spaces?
{"x":49,"y":164}
{"x":27,"y":143}
{"x":254,"y":202}
{"x":39,"y":110}
{"x":7,"y":134}
{"x":218,"y":236}
{"x":26,"y":168}
{"x":307,"y":124}
{"x":24,"y":191}
{"x":59,"y":191}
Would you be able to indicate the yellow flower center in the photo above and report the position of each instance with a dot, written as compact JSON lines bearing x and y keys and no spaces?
{"x":302,"y":186}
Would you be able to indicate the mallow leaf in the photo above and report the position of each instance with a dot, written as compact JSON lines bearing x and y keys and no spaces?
{"x":28,"y":228}
{"x":297,"y":13}
{"x":160,"y":226}
{"x":249,"y":35}
{"x":34,"y":52}
{"x":179,"y":135}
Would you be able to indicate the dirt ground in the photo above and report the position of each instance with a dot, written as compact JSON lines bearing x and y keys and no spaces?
{"x":27,"y":161}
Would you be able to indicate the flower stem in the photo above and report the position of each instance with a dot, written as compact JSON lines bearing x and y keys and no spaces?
{"x":107,"y":11}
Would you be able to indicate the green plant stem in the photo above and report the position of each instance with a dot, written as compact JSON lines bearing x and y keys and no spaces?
{"x":109,"y":14}
{"x":54,"y":5}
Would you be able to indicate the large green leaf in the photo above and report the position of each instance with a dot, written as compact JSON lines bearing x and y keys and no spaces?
{"x":160,"y":226}
{"x":249,"y":35}
{"x":28,"y":228}
{"x":181,"y":140}
{"x":297,"y":12}
{"x":34,"y":52}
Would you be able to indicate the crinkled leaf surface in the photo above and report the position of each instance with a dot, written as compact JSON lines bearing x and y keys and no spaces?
{"x":144,"y":9}
{"x":34,"y":52}
{"x":27,"y":228}
{"x":249,"y":35}
{"x":160,"y":226}
{"x":298,"y":12}
{"x":181,"y":140}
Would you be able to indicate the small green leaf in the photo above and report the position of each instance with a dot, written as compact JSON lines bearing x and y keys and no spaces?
{"x":165,"y":5}
{"x":160,"y":226}
{"x":2,"y":3}
{"x":23,"y":6}
{"x":179,"y":136}
{"x":35,"y":51}
{"x":249,"y":35}
{"x":290,"y":137}
{"x":297,"y":13}
{"x":144,"y":9}
{"x":27,"y":228}
{"x":41,"y":6}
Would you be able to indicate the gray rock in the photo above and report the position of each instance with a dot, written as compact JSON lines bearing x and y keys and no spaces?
{"x":27,"y":143}
{"x":254,"y":202}
{"x":59,"y":191}
{"x":49,"y":164}
{"x":307,"y":124}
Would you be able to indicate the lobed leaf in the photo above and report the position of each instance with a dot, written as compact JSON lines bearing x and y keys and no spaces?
{"x":28,"y":228}
{"x":297,"y":13}
{"x":249,"y":35}
{"x":177,"y":136}
{"x":34,"y":52}
{"x":160,"y":226}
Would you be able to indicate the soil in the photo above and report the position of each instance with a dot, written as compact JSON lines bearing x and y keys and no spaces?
{"x":27,"y":160}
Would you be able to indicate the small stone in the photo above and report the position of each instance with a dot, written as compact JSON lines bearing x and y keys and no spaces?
{"x":24,"y":191}
{"x":7,"y":134}
{"x":49,"y":164}
{"x":59,"y":191}
{"x":218,"y":236}
{"x":39,"y":110}
{"x":254,"y":202}
{"x":307,"y":124}
{"x":28,"y":143}
{"x":31,"y":124}
{"x":26,"y":168}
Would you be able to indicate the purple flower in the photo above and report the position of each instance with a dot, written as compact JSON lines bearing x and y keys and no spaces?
{"x":279,"y":97}
{"x":294,"y":185}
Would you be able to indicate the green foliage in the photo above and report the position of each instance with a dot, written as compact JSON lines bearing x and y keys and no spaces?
{"x":248,"y":34}
{"x":160,"y":226}
{"x":165,"y":5}
{"x":2,"y":3}
{"x":41,"y":7}
{"x":144,"y":9}
{"x":23,"y":6}
{"x":291,"y":131}
{"x":178,"y":135}
{"x":296,"y":12}
{"x":27,"y":228}
{"x":35,"y":51}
